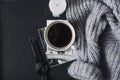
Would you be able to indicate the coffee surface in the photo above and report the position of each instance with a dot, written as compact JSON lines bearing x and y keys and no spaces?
{"x":59,"y":35}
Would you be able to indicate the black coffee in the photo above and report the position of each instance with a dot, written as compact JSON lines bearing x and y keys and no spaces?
{"x":59,"y":35}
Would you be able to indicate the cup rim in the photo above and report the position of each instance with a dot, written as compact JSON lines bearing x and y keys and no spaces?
{"x":59,"y":48}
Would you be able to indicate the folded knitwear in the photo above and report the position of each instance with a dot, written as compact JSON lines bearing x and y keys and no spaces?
{"x":97,"y":26}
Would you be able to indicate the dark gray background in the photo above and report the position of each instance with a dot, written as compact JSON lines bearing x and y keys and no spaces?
{"x":19,"y":20}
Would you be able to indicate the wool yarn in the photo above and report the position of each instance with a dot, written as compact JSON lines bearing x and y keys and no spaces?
{"x":97,"y":26}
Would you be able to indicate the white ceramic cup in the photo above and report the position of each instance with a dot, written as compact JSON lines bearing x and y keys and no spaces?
{"x":70,"y":29}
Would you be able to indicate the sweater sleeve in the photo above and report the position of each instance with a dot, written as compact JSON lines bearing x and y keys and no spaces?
{"x":84,"y":71}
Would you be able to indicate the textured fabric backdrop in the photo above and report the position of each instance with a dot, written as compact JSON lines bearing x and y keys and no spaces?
{"x":97,"y":25}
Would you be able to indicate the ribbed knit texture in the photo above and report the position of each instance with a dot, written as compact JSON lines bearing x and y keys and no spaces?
{"x":97,"y":26}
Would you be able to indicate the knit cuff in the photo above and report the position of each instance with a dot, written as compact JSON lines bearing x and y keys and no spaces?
{"x":84,"y":71}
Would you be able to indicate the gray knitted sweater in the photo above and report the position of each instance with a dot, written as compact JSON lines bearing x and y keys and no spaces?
{"x":97,"y":25}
